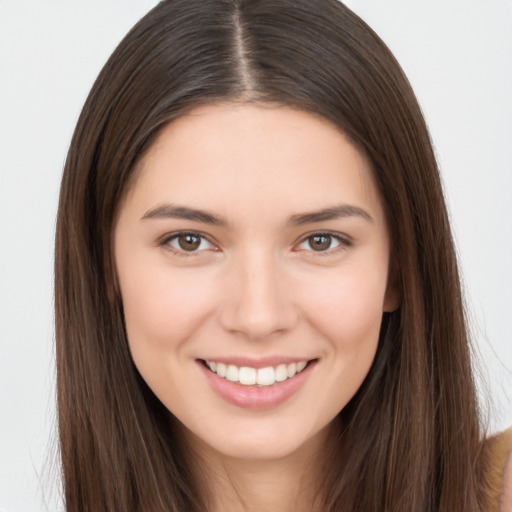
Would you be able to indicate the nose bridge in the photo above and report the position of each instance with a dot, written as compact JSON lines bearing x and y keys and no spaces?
{"x":258,"y":302}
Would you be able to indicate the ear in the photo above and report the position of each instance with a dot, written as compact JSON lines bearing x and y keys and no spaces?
{"x":393,"y":295}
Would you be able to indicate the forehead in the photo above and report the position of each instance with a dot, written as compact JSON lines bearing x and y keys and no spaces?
{"x":253,"y":158}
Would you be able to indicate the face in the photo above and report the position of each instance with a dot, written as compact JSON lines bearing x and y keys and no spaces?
{"x":252,"y":254}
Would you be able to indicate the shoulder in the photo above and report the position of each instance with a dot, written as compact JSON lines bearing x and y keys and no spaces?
{"x":497,"y":484}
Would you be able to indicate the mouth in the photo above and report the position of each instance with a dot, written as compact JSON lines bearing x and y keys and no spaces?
{"x":257,"y":385}
{"x":257,"y":377}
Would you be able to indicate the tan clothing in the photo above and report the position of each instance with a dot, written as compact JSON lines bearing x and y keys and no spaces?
{"x":497,"y":459}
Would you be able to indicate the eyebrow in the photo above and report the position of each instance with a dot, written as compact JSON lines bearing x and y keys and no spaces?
{"x":169,"y":211}
{"x":332,"y":213}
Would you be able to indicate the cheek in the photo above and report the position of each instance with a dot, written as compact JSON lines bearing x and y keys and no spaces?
{"x":163,"y":313}
{"x":163,"y":308}
{"x":348,"y":310}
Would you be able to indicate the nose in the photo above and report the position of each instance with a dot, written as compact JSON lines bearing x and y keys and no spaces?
{"x":258,"y":301}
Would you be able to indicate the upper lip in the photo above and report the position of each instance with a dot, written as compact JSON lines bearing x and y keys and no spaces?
{"x":262,"y":362}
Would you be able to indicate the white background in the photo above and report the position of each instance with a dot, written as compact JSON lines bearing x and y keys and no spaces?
{"x":458,"y":56}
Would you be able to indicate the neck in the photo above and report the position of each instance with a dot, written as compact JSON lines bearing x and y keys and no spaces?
{"x":287,"y":484}
{"x":255,"y":486}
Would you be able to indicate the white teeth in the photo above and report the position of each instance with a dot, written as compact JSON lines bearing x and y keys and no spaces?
{"x":301,"y":366}
{"x":281,"y":373}
{"x":221,"y":369}
{"x":248,"y":376}
{"x":232,"y":373}
{"x":266,"y":376}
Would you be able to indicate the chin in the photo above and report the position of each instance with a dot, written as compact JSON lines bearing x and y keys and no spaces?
{"x":261,"y":441}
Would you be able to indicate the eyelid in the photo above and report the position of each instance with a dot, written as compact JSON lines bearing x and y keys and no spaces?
{"x":344,"y":241}
{"x":165,"y":240}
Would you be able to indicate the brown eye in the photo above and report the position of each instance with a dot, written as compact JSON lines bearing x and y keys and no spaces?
{"x":323,"y":242}
{"x":189,"y":242}
{"x":320,"y":242}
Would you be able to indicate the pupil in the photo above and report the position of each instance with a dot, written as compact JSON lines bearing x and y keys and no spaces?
{"x":320,"y":242}
{"x":189,"y":242}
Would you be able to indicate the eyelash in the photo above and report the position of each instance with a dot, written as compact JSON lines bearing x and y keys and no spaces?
{"x":166,"y":243}
{"x":342,"y":241}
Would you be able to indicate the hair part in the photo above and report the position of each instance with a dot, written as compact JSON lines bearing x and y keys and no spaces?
{"x":411,"y":433}
{"x":244,"y":71}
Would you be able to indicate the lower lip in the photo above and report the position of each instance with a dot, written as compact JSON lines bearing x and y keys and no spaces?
{"x":250,"y":397}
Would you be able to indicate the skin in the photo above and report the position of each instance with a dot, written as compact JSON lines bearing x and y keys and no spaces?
{"x":506,"y":497}
{"x":255,"y":287}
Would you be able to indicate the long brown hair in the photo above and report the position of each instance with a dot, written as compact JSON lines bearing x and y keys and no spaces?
{"x":411,"y":434}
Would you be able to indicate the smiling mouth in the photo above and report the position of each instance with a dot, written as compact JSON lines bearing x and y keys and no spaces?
{"x":258,"y":377}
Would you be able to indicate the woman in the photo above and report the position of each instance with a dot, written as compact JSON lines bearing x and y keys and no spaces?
{"x":257,"y":298}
